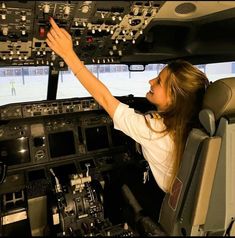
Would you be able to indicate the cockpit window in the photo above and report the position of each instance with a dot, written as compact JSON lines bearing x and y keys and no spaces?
{"x":23,"y":84}
{"x":122,"y":82}
{"x":119,"y":80}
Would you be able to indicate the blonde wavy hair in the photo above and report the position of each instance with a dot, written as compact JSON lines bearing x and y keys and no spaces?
{"x":186,"y":85}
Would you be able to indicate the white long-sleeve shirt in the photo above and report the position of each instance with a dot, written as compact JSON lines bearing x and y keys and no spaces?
{"x":157,"y":148}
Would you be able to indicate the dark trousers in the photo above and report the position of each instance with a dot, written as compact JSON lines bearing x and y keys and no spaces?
{"x":148,"y":195}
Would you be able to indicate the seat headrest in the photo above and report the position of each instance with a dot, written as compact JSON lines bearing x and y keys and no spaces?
{"x":220,"y":97}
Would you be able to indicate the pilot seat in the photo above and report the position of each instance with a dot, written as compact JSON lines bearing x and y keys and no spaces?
{"x":202,"y":201}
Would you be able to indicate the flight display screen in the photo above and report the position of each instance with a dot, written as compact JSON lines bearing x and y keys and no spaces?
{"x":15,"y":151}
{"x":96,"y":138}
{"x":61,"y":144}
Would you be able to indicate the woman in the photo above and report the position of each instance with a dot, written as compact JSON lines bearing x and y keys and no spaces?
{"x":176,"y":92}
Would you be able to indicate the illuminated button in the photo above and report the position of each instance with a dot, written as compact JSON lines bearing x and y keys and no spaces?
{"x":89,"y":39}
{"x":42,"y":32}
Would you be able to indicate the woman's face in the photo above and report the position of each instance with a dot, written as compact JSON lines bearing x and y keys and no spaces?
{"x":157,"y":94}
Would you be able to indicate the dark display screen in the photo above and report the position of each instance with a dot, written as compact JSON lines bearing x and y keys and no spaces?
{"x":118,"y":137}
{"x":61,"y":144}
{"x":96,"y":138}
{"x":15,"y":151}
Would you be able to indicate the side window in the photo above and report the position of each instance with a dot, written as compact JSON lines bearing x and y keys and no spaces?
{"x":217,"y":71}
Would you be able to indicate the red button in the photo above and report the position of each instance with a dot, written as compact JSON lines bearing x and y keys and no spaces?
{"x":89,"y":39}
{"x":42,"y":32}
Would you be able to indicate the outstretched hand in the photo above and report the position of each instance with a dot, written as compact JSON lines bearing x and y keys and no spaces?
{"x":59,"y":40}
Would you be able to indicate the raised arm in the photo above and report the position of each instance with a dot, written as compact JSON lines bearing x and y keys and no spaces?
{"x":60,"y":41}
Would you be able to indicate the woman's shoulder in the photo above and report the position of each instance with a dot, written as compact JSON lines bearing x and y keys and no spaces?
{"x":155,"y":121}
{"x":152,"y":115}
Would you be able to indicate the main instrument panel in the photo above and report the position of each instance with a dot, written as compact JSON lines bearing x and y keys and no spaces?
{"x":48,"y":131}
{"x":102,"y":31}
{"x":59,"y":155}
